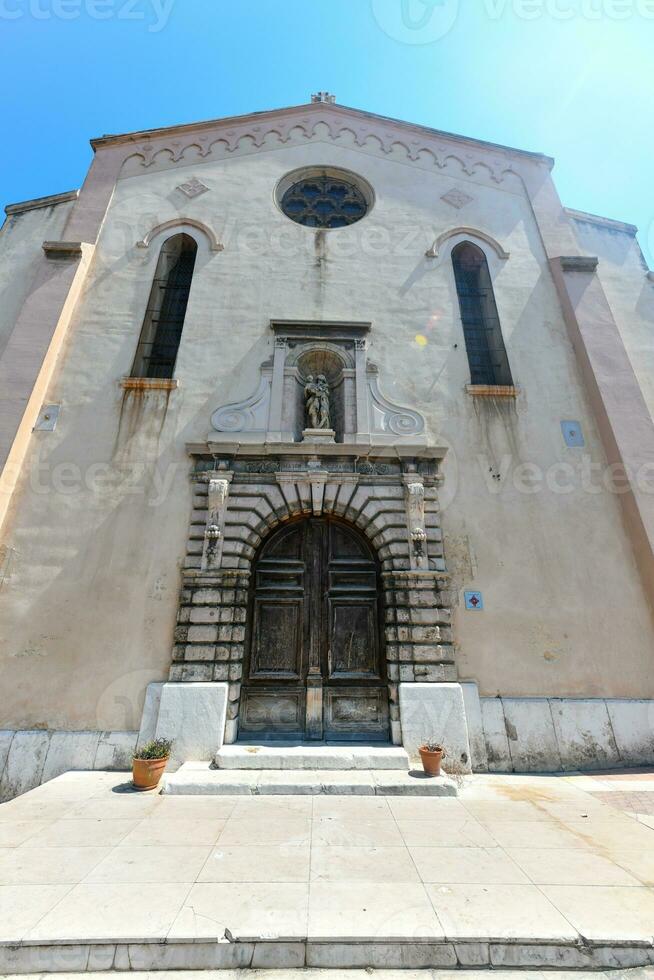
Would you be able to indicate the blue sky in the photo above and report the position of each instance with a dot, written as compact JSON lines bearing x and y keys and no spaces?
{"x":570,"y":78}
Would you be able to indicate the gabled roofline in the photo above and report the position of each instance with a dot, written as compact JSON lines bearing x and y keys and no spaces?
{"x":113,"y":140}
{"x":41,"y":202}
{"x":597,"y":219}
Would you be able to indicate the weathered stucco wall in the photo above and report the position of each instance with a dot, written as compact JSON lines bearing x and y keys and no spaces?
{"x":98,"y":527}
{"x":21,"y":238}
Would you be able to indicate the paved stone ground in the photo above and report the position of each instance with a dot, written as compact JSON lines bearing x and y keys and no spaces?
{"x":84,"y":859}
{"x":643,"y":973}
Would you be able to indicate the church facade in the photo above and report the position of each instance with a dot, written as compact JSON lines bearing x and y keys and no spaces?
{"x":322,"y":426}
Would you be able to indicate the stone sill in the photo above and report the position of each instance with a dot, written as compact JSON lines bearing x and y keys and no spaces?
{"x":149,"y":384}
{"x":493,"y":391}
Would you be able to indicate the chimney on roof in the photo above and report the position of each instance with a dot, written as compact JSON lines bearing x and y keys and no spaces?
{"x":326,"y":97}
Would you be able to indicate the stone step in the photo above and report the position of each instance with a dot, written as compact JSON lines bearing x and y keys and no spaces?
{"x":200,"y":779}
{"x":342,"y":757}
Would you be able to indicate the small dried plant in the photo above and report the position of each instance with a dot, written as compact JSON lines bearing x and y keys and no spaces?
{"x":159,"y":748}
{"x":433,"y":745}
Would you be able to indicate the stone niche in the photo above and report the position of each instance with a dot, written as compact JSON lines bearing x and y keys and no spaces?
{"x":259,"y":468}
{"x":274,"y":413}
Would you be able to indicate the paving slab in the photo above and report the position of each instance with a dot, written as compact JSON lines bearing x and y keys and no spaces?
{"x":513,"y":873}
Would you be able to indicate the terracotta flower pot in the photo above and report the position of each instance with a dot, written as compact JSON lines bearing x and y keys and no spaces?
{"x":146,"y":773}
{"x":431,"y":761}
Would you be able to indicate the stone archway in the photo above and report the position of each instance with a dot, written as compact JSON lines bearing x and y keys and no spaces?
{"x":240,"y":500}
{"x":314,"y":663}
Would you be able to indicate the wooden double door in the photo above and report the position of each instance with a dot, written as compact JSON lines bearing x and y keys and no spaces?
{"x":315,"y":667}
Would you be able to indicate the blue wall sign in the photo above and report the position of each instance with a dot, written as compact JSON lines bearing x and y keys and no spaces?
{"x":573,"y":434}
{"x":474,"y":601}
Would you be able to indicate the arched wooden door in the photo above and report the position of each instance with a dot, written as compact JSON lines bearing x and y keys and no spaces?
{"x":315,"y":667}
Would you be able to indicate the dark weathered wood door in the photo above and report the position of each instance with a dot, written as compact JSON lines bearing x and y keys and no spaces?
{"x":314,"y":667}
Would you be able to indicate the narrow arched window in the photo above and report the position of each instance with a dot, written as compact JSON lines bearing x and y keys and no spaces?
{"x":487,"y":358}
{"x":164,"y":317}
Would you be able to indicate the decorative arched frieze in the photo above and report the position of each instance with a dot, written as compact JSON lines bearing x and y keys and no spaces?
{"x":403,"y":143}
{"x":182,"y":225}
{"x":473,"y":233}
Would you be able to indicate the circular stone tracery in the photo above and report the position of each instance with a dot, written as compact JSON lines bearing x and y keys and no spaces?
{"x":324,"y":198}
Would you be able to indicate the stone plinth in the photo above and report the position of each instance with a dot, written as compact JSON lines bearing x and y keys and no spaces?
{"x":436,"y":711}
{"x":193,"y":716}
{"x":319,"y":436}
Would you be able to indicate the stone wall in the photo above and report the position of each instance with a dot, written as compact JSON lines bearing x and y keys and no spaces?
{"x":566,"y":734}
{"x":29,"y":758}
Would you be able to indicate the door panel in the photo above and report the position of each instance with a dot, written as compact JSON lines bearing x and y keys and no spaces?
{"x":353,"y":638}
{"x":277,"y":638}
{"x":315,"y":664}
{"x":356,"y":711}
{"x":272,"y":712}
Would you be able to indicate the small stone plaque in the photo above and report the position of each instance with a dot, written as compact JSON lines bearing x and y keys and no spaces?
{"x":474,"y":601}
{"x":456,"y":198}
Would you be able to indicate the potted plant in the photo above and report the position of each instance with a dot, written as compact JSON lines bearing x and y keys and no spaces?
{"x":431,"y":754}
{"x":149,"y":762}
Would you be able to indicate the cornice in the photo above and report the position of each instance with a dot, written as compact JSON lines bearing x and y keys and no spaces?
{"x":596,"y":219}
{"x":41,"y":202}
{"x":259,"y":121}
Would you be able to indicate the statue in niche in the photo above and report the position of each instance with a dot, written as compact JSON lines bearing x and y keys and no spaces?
{"x":316,"y":400}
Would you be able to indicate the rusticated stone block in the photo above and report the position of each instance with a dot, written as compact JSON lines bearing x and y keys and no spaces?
{"x":426,"y":617}
{"x":199,"y":651}
{"x":406,"y":652}
{"x":204,"y":614}
{"x":393,"y":672}
{"x":396,"y":597}
{"x":425,"y":634}
{"x":181,"y":634}
{"x":434,"y":673}
{"x":203,"y":634}
{"x":188,"y":673}
{"x":221,"y":672}
{"x":206,"y":597}
{"x":184,"y":614}
{"x":431,"y":652}
{"x":235,"y":672}
{"x":222,"y":652}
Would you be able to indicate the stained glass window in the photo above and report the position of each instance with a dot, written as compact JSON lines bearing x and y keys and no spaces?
{"x":324,"y":201}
